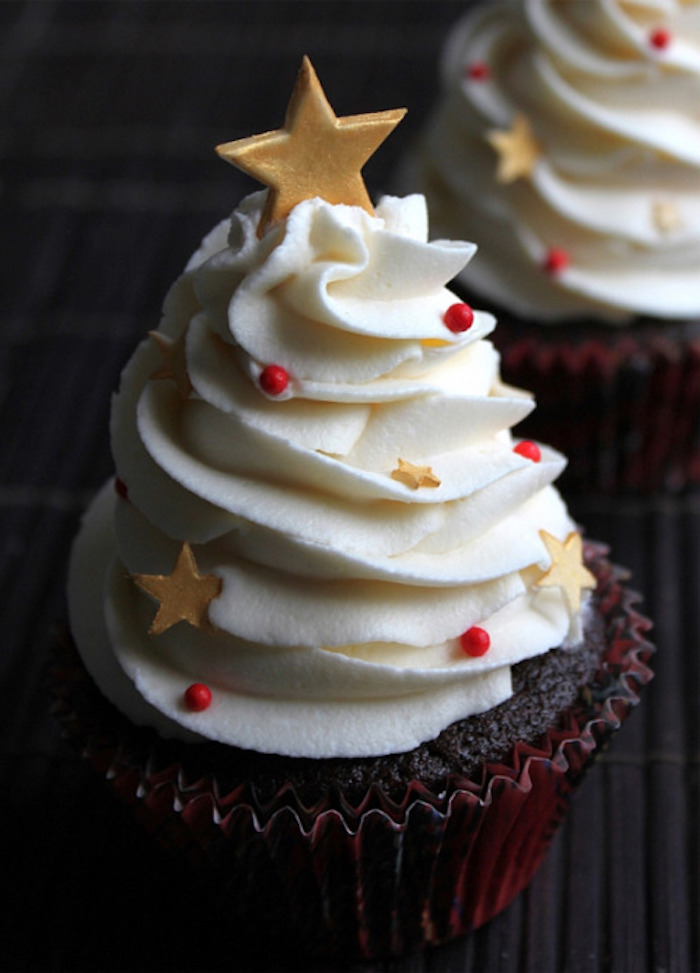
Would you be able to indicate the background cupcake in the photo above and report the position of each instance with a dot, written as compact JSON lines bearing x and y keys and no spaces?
{"x":350,"y":637}
{"x":565,"y":144}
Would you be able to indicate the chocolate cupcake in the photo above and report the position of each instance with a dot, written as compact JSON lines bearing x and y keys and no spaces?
{"x":564,"y":143}
{"x":339,"y":640}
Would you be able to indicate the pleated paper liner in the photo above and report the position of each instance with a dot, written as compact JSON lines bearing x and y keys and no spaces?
{"x":623,"y":404}
{"x":374,"y":878}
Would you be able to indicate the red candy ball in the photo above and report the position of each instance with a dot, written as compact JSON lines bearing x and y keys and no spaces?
{"x":274,"y":379}
{"x":475,"y":641}
{"x":556,"y":260}
{"x":197,"y":697}
{"x":660,"y":38}
{"x":458,"y":318}
{"x":478,"y":71}
{"x":529,"y":450}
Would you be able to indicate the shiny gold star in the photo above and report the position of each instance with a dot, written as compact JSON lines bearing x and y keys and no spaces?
{"x":517,"y":149}
{"x":414,"y":476}
{"x":174,"y":361}
{"x":184,"y":595}
{"x":314,"y":154}
{"x":567,"y":570}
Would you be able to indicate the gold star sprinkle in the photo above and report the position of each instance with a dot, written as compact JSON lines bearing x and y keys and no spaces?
{"x":567,"y":570}
{"x":174,"y":363}
{"x":184,"y":595}
{"x":517,"y":149}
{"x":314,"y":154}
{"x":414,"y":476}
{"x":666,"y":216}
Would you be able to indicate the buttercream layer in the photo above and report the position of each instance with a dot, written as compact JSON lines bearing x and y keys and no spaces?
{"x":344,"y":587}
{"x":293,"y":699}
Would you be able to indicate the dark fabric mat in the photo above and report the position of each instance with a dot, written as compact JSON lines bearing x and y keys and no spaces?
{"x":109,"y":114}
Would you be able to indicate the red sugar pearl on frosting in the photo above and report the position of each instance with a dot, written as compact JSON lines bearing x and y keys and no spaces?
{"x":475,"y":641}
{"x":478,"y":71}
{"x":660,"y":38}
{"x":458,"y":318}
{"x":529,"y":450}
{"x":197,"y":697}
{"x":274,"y":379}
{"x":556,"y":260}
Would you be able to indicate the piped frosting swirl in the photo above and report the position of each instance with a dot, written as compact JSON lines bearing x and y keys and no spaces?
{"x":344,"y":588}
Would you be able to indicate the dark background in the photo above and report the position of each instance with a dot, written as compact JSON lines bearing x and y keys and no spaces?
{"x":109,"y":115}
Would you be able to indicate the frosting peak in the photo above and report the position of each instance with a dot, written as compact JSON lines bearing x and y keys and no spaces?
{"x":335,"y":278}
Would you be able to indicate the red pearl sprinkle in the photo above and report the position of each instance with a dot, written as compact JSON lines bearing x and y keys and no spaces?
{"x":478,"y":71}
{"x":458,"y":318}
{"x":529,"y":450}
{"x":121,"y":488}
{"x":660,"y":38}
{"x":197,"y":697}
{"x":274,"y":379}
{"x":556,"y":260}
{"x":475,"y":641}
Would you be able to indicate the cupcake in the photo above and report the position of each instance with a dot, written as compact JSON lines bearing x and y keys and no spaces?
{"x":566,"y":145}
{"x":338,"y":639}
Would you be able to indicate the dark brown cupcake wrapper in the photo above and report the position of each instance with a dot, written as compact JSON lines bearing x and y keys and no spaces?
{"x":379,"y":878}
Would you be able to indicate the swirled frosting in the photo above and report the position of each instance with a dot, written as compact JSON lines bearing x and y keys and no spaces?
{"x":344,"y":588}
{"x":609,"y":89}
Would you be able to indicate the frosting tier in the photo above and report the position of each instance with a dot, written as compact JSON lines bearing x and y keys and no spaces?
{"x":567,"y":143}
{"x":341,"y":465}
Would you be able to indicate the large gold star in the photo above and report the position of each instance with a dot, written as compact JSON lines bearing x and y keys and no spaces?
{"x":517,"y":149}
{"x":314,"y":154}
{"x":414,"y":476}
{"x":567,"y":570}
{"x":184,"y":595}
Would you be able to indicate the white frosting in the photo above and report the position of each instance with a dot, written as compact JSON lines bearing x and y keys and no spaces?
{"x":615,"y":119}
{"x":344,"y":590}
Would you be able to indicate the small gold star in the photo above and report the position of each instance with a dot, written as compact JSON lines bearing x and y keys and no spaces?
{"x":184,"y":595}
{"x":314,"y":154}
{"x":567,"y":570}
{"x":517,"y":149}
{"x":174,"y":363}
{"x":414,"y":476}
{"x":666,"y":216}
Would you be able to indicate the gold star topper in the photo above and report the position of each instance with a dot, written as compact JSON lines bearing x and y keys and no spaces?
{"x":414,"y":476}
{"x":174,"y":361}
{"x":517,"y":150}
{"x":567,"y":570}
{"x":184,"y":595}
{"x":315,"y":153}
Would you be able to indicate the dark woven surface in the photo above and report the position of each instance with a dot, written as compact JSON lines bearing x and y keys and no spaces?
{"x":109,"y":115}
